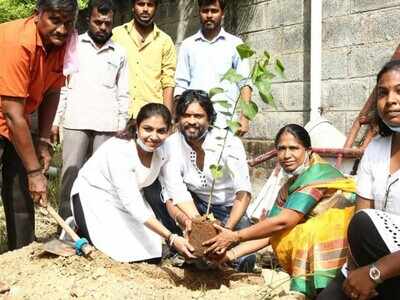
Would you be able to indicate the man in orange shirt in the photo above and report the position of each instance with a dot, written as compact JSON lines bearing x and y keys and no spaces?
{"x":31,"y":75}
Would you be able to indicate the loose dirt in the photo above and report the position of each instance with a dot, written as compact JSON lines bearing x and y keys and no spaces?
{"x":31,"y":274}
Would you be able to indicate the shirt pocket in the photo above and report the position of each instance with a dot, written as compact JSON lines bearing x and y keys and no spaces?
{"x":109,"y":79}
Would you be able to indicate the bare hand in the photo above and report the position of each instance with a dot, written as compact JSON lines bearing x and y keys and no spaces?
{"x":222,"y":259}
{"x":37,"y":185}
{"x":44,"y":155}
{"x":188,"y":227}
{"x":222,"y":241}
{"x":359,"y":285}
{"x":55,"y":135}
{"x":184,"y":247}
{"x":244,"y":128}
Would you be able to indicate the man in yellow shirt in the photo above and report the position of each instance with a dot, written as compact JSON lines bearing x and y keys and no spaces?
{"x":151,"y":57}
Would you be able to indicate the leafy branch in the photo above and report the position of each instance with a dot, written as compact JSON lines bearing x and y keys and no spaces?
{"x":263,"y":71}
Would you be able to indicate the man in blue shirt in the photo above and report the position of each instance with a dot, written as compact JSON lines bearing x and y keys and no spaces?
{"x":206,"y":56}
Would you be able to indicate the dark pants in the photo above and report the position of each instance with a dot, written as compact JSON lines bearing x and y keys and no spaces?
{"x":17,"y":202}
{"x":152,"y":195}
{"x":79,"y":217}
{"x":366,"y":247}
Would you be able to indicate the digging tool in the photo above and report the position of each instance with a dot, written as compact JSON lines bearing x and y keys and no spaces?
{"x":79,"y":246}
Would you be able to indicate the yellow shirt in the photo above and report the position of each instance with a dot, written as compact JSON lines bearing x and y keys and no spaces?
{"x":151,"y":63}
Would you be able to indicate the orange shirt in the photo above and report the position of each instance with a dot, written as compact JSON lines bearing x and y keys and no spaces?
{"x":26,"y":70}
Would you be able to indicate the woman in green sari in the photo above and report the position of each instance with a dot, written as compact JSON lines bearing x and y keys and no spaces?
{"x":308,"y":222}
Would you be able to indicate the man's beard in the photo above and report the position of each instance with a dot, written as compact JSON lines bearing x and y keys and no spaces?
{"x":197,"y":135}
{"x":144,"y":23}
{"x":101,"y":40}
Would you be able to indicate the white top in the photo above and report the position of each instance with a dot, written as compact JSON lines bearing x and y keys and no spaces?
{"x":180,"y":174}
{"x":110,"y":188}
{"x":96,"y":97}
{"x":202,"y":64}
{"x":374,"y":180}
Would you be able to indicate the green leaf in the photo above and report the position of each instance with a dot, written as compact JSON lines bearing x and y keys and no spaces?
{"x":226,"y":113}
{"x":232,"y":76}
{"x":245,"y":51}
{"x":249,"y":109}
{"x":265,"y":59}
{"x":216,"y":171}
{"x":215,"y":91}
{"x":223,"y":103}
{"x":280,"y":68}
{"x":264,"y":89}
{"x":233,"y":126}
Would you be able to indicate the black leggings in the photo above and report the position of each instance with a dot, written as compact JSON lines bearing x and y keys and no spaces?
{"x":79,"y":217}
{"x":367,"y":247}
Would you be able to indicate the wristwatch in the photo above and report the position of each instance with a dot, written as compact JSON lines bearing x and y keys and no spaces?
{"x":375,"y":274}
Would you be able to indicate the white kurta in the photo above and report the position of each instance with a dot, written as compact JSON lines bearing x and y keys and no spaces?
{"x":110,"y":188}
{"x":375,"y":182}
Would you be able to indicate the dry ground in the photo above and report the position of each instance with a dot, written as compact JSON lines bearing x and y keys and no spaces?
{"x":31,"y":274}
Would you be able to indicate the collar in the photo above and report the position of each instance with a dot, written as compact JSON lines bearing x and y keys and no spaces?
{"x":221,"y":35}
{"x":108,"y":45}
{"x":30,"y":35}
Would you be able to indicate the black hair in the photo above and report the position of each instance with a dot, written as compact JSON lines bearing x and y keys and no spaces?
{"x":155,"y":1}
{"x":103,"y":6}
{"x":209,"y":2}
{"x":195,"y":96}
{"x":67,"y":6}
{"x":392,"y":65}
{"x":147,"y":111}
{"x":298,"y":132}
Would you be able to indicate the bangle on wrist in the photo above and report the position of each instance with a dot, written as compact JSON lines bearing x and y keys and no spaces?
{"x":172,"y":239}
{"x":34,"y":171}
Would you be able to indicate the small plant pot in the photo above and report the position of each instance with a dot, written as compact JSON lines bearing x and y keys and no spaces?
{"x":202,"y":230}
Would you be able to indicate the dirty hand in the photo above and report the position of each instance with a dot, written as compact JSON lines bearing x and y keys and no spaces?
{"x":244,"y":128}
{"x":183,"y":246}
{"x":222,"y":241}
{"x":37,"y":185}
{"x":44,"y":155}
{"x":359,"y":285}
{"x":55,"y":135}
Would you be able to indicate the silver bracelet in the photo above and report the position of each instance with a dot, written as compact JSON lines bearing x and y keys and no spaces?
{"x":172,"y":239}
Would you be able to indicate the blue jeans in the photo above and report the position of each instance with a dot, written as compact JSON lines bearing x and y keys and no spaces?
{"x":245,"y":263}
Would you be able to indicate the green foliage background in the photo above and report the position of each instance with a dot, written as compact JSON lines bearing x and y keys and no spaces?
{"x":16,"y":9}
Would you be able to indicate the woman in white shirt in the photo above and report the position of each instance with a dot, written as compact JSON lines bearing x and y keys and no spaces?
{"x":373,"y":233}
{"x":106,"y":197}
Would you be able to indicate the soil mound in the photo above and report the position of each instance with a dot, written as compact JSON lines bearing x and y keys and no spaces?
{"x":32,"y":274}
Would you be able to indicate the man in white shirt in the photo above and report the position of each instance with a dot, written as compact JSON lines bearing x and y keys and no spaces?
{"x":95,"y":101}
{"x":187,"y":178}
{"x":206,"y":56}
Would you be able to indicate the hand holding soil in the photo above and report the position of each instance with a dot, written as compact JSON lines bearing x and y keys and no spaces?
{"x":184,"y":247}
{"x":222,"y":241}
